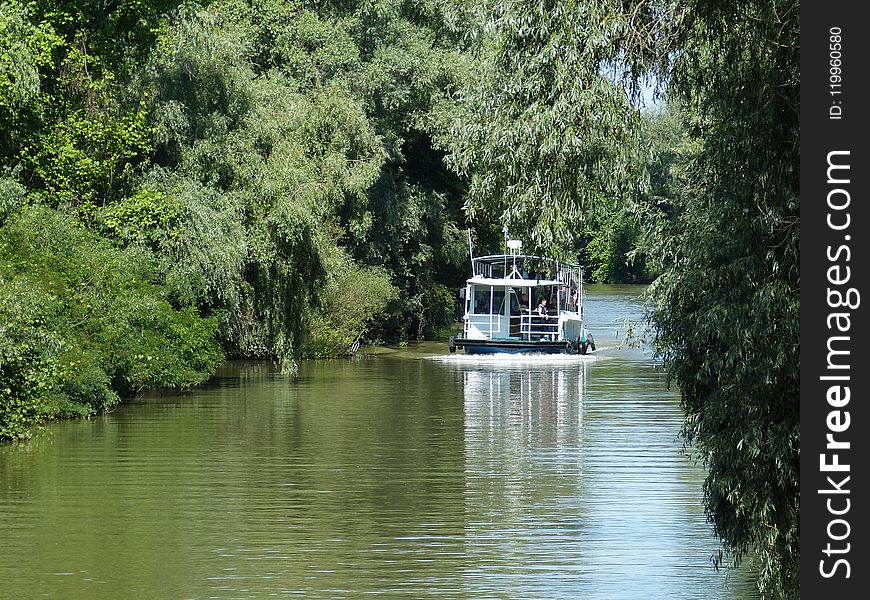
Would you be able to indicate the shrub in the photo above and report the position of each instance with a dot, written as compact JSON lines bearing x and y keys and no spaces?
{"x":29,"y":365}
{"x":82,"y":324}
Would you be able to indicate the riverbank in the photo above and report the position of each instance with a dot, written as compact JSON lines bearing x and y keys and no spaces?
{"x":120,"y":362}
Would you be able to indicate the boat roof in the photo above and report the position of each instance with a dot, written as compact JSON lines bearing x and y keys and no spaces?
{"x":513,"y":281}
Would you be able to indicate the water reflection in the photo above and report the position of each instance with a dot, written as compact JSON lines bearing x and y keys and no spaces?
{"x":575,"y":486}
{"x":405,"y":475}
{"x":521,"y":487}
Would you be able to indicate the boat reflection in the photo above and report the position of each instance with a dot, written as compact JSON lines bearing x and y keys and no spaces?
{"x":523,"y":424}
{"x":539,"y":405}
{"x":575,"y":483}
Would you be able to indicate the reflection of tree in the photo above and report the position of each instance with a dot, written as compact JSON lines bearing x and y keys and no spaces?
{"x":349,"y":479}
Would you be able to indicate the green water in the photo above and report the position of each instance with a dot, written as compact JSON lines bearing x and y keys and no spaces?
{"x":411,"y":473}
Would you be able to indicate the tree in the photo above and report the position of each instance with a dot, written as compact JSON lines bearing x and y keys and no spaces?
{"x":83,"y":323}
{"x":726,"y":307}
{"x":545,"y":130}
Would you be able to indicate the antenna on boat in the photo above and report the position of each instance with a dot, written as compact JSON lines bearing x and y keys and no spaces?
{"x":514,"y":245}
{"x":470,"y":251}
{"x":504,"y":231}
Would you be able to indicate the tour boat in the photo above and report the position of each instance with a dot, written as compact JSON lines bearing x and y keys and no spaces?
{"x":504,"y":312}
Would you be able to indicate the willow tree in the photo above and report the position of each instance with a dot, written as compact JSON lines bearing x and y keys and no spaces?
{"x":547,"y":134}
{"x":726,"y":307}
{"x":258,"y":158}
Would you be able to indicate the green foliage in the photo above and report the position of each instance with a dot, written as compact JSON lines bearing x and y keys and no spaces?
{"x":11,"y":196}
{"x":543,"y":132}
{"x":260,"y":167}
{"x":226,"y":140}
{"x":26,"y":48}
{"x":439,"y":310}
{"x":118,"y":33}
{"x":86,"y":159}
{"x":29,"y":364}
{"x":146,"y":217}
{"x":220,"y":149}
{"x":277,"y":168}
{"x":286,"y":116}
{"x":610,"y":254}
{"x":408,"y":230}
{"x":551,"y":144}
{"x":308,"y":49}
{"x":85,"y":145}
{"x":198,"y":240}
{"x":353,"y":297}
{"x":82,"y":324}
{"x":724,"y":216}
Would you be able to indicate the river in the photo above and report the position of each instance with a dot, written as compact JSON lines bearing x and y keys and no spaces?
{"x":412,"y":473}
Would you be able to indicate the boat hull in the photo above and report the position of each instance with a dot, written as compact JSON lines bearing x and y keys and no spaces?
{"x":510,"y":346}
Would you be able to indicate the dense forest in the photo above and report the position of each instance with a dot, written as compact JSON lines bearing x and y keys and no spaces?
{"x":186,"y":182}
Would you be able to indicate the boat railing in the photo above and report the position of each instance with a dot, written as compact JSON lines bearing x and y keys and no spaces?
{"x":535,"y":327}
{"x":498,"y":266}
{"x":489,"y":325}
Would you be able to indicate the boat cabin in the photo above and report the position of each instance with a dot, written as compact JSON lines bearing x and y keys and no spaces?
{"x":519,"y":297}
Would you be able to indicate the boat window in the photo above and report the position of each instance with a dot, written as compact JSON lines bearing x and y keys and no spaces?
{"x":486,"y":298}
{"x":482,"y":300}
{"x":519,"y":300}
{"x":498,"y":301}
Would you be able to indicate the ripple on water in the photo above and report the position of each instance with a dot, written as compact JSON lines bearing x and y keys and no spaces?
{"x":551,"y":476}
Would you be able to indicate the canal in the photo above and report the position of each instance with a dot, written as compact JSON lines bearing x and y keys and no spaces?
{"x":412,"y":473}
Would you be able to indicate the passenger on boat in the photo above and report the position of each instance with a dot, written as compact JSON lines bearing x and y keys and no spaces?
{"x":542,"y":308}
{"x":524,"y":302}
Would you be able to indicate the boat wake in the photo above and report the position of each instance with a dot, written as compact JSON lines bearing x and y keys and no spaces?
{"x":511,"y":360}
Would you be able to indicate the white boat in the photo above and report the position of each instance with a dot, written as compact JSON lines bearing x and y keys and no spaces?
{"x":504,"y":312}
